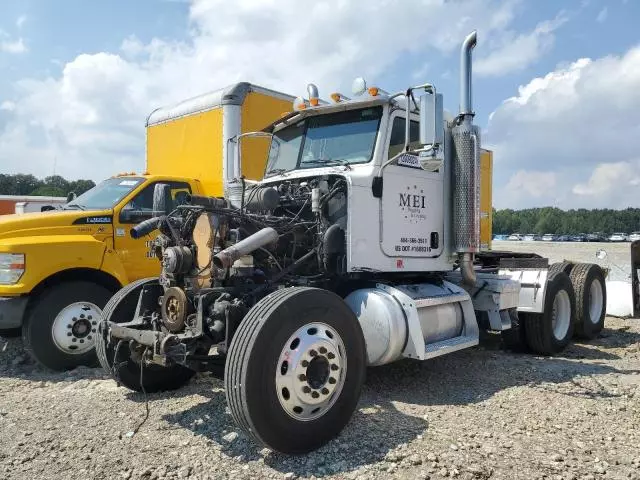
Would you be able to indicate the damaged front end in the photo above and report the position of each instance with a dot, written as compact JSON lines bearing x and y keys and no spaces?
{"x":218,"y":261}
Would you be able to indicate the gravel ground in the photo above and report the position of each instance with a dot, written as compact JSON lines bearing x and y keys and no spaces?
{"x":618,"y":258}
{"x":480,"y":413}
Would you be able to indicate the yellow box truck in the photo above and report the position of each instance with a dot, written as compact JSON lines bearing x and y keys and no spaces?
{"x":486,"y":200}
{"x":59,"y":268}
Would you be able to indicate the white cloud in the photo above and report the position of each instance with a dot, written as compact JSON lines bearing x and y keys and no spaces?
{"x":13,"y":46}
{"x":421,"y":73}
{"x":579,"y":121}
{"x":92,"y":115}
{"x":602,"y":15}
{"x":20,"y":21}
{"x":531,"y":183}
{"x":610,"y":178}
{"x":517,"y":52}
{"x":8,"y":105}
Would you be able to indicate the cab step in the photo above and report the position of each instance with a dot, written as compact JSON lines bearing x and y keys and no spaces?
{"x":450,"y":345}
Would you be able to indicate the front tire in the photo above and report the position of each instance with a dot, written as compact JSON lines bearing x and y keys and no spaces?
{"x":591,"y":299}
{"x":551,"y":331}
{"x":295,"y":369}
{"x":60,"y":328}
{"x":155,"y":378}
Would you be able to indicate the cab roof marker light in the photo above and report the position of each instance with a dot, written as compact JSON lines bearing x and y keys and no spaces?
{"x":337,"y":97}
{"x":299,"y":104}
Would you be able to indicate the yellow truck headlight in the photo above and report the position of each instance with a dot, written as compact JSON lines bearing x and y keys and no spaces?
{"x":11,"y":268}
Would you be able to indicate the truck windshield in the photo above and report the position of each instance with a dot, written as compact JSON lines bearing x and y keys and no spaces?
{"x":340,"y":138}
{"x":105,"y":195}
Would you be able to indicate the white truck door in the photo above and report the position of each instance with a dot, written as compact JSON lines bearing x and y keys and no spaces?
{"x":412,"y":210}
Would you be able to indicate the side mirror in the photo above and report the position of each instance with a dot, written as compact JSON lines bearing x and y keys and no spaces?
{"x":162,"y":204}
{"x":431,"y":119}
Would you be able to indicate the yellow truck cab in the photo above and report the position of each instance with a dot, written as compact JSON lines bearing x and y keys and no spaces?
{"x":58,"y":269}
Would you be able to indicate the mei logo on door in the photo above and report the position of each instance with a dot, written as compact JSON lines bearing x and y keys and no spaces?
{"x":412,"y":201}
{"x":413,"y":204}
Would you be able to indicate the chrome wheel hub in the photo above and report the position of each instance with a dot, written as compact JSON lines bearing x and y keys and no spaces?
{"x":596,"y":301}
{"x":75,"y":327}
{"x":311,"y":371}
{"x":561,"y":315}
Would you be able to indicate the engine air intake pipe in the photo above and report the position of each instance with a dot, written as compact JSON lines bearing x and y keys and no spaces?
{"x":261,"y":238}
{"x":206,"y":202}
{"x":146,"y":227}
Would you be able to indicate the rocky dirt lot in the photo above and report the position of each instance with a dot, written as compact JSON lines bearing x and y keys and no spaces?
{"x":481,"y":413}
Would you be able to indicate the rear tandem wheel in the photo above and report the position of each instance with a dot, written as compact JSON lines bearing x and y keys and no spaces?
{"x":550,"y":332}
{"x":591,"y":299}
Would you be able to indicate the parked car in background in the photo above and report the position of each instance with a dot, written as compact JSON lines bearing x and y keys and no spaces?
{"x":634,"y":237}
{"x":579,"y":237}
{"x":563,"y":238}
{"x":618,"y":237}
{"x":548,"y":237}
{"x":515,"y":237}
{"x":530,"y":237}
{"x":597,"y":237}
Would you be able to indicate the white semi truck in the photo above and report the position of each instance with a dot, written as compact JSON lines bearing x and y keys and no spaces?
{"x":359,"y":247}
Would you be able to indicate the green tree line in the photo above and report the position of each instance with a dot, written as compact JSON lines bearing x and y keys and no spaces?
{"x":555,"y":221}
{"x":53,"y":186}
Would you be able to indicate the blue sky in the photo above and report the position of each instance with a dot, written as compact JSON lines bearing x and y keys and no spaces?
{"x":80,"y":77}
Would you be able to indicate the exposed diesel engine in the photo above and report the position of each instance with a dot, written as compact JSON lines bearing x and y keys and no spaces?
{"x":219,"y":257}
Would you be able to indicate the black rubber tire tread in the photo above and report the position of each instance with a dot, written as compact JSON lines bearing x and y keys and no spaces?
{"x":236,"y":356}
{"x":563,"y":266}
{"x":582,"y":276}
{"x":155,"y":377}
{"x":42,"y":311}
{"x":515,"y":338}
{"x":247,"y":409}
{"x":538,"y":327}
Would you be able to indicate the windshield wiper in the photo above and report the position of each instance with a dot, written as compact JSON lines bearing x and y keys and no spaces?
{"x":69,"y":205}
{"x":275,"y":171}
{"x":328,"y":161}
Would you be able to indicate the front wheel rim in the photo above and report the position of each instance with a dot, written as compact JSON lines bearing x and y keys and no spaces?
{"x":311,"y":371}
{"x":561,"y":315}
{"x":75,"y":328}
{"x":596,"y":301}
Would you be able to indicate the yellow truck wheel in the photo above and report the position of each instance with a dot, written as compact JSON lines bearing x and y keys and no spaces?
{"x":61,"y":325}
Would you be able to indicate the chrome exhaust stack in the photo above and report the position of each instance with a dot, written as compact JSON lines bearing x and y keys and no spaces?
{"x":466,"y":178}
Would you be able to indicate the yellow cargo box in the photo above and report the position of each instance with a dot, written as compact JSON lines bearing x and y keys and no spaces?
{"x":190,"y":139}
{"x":486,"y":202}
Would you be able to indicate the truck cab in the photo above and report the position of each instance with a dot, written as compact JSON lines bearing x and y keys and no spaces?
{"x":59,"y":268}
